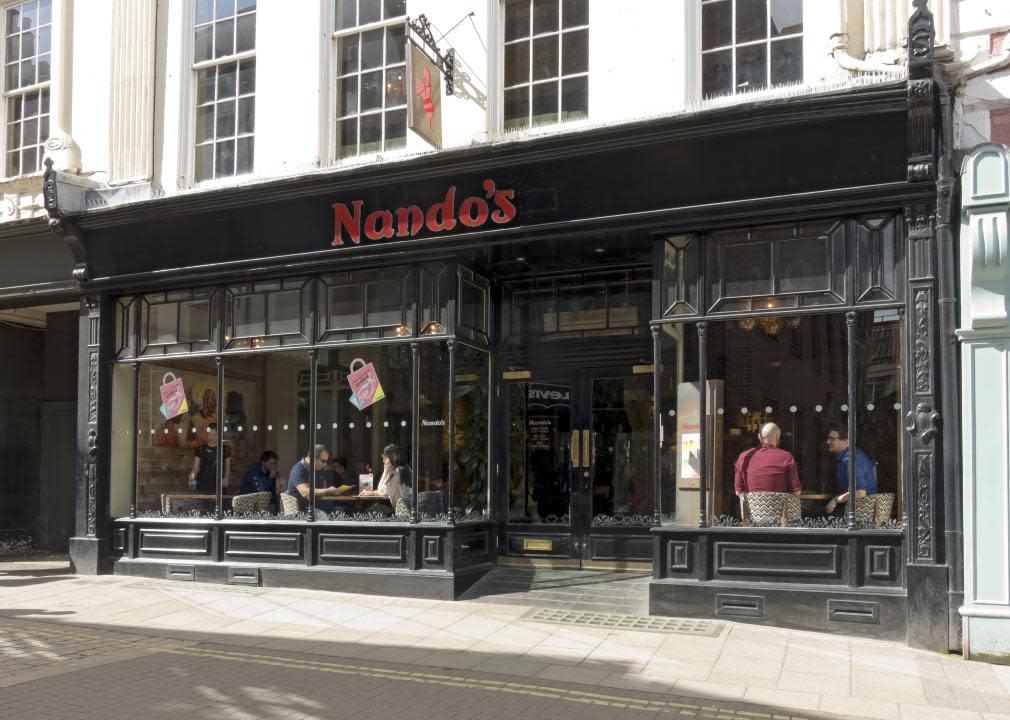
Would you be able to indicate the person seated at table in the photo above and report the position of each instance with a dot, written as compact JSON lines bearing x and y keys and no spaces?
{"x":767,"y":468}
{"x":395,"y":481}
{"x":866,"y":469}
{"x":203,"y":476}
{"x":300,"y":478}
{"x":262,"y":477}
{"x":338,"y":466}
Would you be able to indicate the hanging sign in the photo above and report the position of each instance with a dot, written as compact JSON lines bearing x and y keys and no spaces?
{"x":424,"y":111}
{"x":491,"y":205}
{"x":364,"y":382}
{"x":173,"y":396}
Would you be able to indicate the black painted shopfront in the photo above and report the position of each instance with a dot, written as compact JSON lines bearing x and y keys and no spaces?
{"x":541,"y":317}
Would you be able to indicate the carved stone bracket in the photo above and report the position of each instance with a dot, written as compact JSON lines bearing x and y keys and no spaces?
{"x":923,"y":423}
{"x":60,"y":223}
{"x":921,"y":38}
{"x":921,"y":160}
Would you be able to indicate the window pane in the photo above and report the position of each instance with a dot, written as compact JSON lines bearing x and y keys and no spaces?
{"x":396,"y":129}
{"x":394,"y":8}
{"x":717,"y":73}
{"x":285,"y":312}
{"x":545,"y":103}
{"x":804,"y":265}
{"x":12,"y":75}
{"x":786,"y":17}
{"x":517,"y":107}
{"x":247,"y":77}
{"x":30,"y":132}
{"x":226,"y":80}
{"x":29,"y":16}
{"x":746,"y":269}
{"x":787,"y":61}
{"x":27,"y":45}
{"x":224,"y":38}
{"x":223,"y":8}
{"x":45,"y":12}
{"x":716,"y":24}
{"x":345,"y":14}
{"x":224,"y":158}
{"x":371,"y":133}
{"x":545,"y":16}
{"x":13,"y":49}
{"x":31,"y":105}
{"x":204,"y":11}
{"x":371,"y":91}
{"x":369,"y":11}
{"x":244,"y":163}
{"x":347,"y":132}
{"x":29,"y":160}
{"x":205,"y":82}
{"x":347,"y":96}
{"x":396,"y":45}
{"x":575,"y":52}
{"x":27,"y":72}
{"x":245,"y":28}
{"x":384,"y":302}
{"x":371,"y":49}
{"x":204,"y":162}
{"x":517,"y":19}
{"x":225,"y":123}
{"x":751,"y":67}
{"x":396,"y":87}
{"x":204,"y":123}
{"x":246,"y":115}
{"x":245,"y":6}
{"x":751,"y":20}
{"x":161,"y":323}
{"x":574,"y":13}
{"x":349,"y":54}
{"x":517,"y":63}
{"x":574,"y":98}
{"x":433,"y":413}
{"x":44,"y":69}
{"x":345,"y":307}
{"x":194,"y":321}
{"x":13,"y":166}
{"x":250,"y":316}
{"x":545,"y":57}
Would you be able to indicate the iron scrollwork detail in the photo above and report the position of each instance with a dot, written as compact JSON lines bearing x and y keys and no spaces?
{"x":924,"y":511}
{"x":923,"y":423}
{"x":92,"y":480}
{"x":921,"y":345}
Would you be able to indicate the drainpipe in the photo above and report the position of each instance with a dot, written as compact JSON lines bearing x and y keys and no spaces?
{"x":839,"y":48}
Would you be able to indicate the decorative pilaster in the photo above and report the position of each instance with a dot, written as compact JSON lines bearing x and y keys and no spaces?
{"x":60,"y":147}
{"x":91,"y":304}
{"x":921,"y":144}
{"x":131,"y":90}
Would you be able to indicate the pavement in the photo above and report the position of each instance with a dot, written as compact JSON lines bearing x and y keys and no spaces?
{"x":524,"y":644}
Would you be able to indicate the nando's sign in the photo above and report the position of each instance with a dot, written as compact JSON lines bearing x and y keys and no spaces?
{"x":355,"y":222}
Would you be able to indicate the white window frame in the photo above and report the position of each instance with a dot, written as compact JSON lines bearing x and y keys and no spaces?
{"x":499,"y":55}
{"x":332,"y":38}
{"x":698,"y":53}
{"x":192,"y":69}
{"x":23,"y":91}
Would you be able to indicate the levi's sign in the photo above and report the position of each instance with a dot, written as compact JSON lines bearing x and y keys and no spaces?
{"x":474,"y":211}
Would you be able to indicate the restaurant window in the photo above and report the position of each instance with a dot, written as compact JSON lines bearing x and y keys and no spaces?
{"x":26,"y":84}
{"x":472,"y":410}
{"x":474,"y":307}
{"x":791,"y":371}
{"x":370,"y":70}
{"x":357,"y":431}
{"x":365,"y":304}
{"x":749,"y":45}
{"x":267,"y":314}
{"x":433,"y":431}
{"x":546,"y":61}
{"x":224,"y":66}
{"x":178,"y":321}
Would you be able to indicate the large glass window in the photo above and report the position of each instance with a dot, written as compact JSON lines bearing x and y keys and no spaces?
{"x":546,"y":61}
{"x":27,"y":61}
{"x":224,"y":65}
{"x":792,"y":372}
{"x":750,"y":44}
{"x":472,"y":410}
{"x":371,"y":72}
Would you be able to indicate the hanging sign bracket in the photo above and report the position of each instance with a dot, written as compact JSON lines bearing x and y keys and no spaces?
{"x":446,"y":63}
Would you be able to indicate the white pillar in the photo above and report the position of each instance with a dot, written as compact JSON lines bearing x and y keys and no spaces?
{"x":131,"y":90}
{"x":985,"y":360}
{"x":61,"y":146}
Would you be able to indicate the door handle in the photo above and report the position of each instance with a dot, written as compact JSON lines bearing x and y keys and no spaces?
{"x":585,"y":449}
{"x":575,"y":449}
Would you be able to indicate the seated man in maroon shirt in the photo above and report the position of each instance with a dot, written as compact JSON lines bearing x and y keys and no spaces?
{"x":767,"y":468}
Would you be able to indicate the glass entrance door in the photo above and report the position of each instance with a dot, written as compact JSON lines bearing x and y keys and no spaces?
{"x":576,"y":457}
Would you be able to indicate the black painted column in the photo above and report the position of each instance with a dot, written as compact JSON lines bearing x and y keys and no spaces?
{"x":451,"y":480}
{"x":657,"y":415}
{"x":703,"y":424}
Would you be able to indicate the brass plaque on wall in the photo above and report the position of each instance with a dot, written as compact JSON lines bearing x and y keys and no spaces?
{"x":538,"y":544}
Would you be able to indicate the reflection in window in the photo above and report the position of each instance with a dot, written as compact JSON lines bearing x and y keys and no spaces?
{"x":366,"y":304}
{"x":178,"y":322}
{"x":433,"y":431}
{"x":791,"y":371}
{"x":750,"y":44}
{"x":471,"y":452}
{"x":358,"y":436}
{"x":546,"y":61}
{"x":539,"y":452}
{"x":371,"y":86}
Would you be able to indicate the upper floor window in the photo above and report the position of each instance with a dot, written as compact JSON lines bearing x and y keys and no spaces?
{"x":224,"y":59}
{"x":28,"y":35}
{"x":750,"y":44}
{"x":371,"y":71}
{"x":546,"y":61}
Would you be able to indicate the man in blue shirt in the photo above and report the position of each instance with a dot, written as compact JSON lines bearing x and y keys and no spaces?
{"x":262,"y":476}
{"x":866,"y":471}
{"x":300,"y":478}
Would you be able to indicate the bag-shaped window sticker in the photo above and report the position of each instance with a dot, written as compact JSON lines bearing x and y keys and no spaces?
{"x":173,"y":396}
{"x":365,"y":387}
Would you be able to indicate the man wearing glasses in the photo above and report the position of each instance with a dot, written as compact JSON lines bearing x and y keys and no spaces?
{"x":866,"y":471}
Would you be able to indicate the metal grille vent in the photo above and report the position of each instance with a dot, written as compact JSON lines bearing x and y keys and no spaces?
{"x":683,"y":626}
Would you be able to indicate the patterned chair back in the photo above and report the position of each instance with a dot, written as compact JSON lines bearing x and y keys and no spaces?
{"x":289,"y":505}
{"x":769,"y":508}
{"x":258,"y":502}
{"x":874,"y":509}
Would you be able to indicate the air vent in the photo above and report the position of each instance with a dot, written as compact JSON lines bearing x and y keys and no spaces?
{"x":854,"y":611}
{"x":740,"y":605}
{"x":243,"y":576}
{"x":611,"y":621}
{"x":181,"y":572}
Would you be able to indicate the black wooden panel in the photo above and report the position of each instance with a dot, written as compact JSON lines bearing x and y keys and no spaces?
{"x":244,"y":575}
{"x":880,"y":564}
{"x":175,"y":542}
{"x":539,"y":544}
{"x":263,"y":544}
{"x":681,"y":555}
{"x":119,"y":539}
{"x":621,"y":547}
{"x":771,"y":559}
{"x":362,"y":547}
{"x":472,"y":547}
{"x":432,"y":549}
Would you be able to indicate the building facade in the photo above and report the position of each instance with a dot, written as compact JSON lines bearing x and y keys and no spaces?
{"x":568,"y":258}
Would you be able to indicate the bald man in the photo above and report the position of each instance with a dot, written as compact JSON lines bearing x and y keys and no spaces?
{"x":767,"y":468}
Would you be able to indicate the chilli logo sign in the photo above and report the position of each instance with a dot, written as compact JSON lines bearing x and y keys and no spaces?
{"x":495,"y":205}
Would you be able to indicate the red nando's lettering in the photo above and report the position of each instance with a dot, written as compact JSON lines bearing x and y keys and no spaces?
{"x":473,"y":212}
